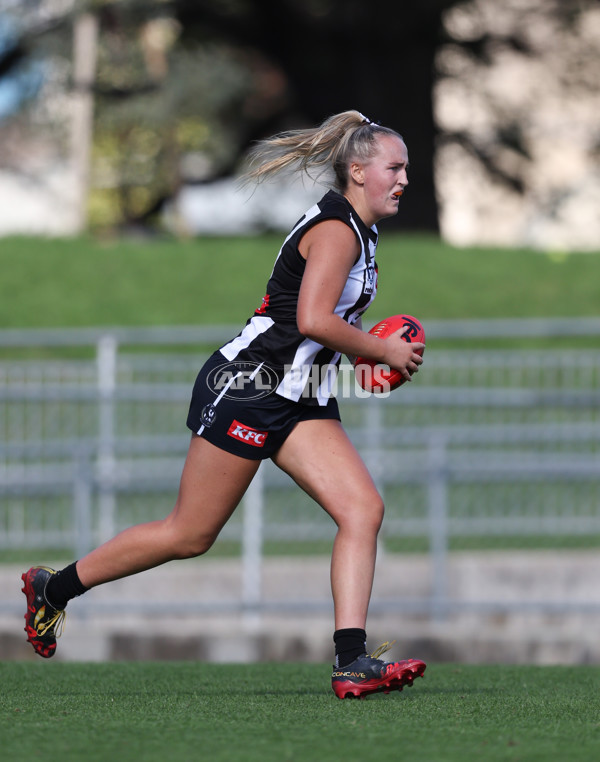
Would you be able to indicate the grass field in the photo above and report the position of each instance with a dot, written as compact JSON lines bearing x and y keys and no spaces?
{"x":287,"y":713}
{"x":83,"y":282}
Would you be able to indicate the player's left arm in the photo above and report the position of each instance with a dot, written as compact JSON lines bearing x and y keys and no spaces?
{"x":331,"y":249}
{"x":357,"y":324}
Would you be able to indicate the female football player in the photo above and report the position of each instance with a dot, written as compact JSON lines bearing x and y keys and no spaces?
{"x":267,"y":393}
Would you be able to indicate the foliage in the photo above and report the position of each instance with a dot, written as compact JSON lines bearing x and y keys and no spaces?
{"x":183,"y":87}
{"x":516,"y":104}
{"x":158,"y":105}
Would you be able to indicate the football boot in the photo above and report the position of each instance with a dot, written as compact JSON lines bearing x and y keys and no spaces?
{"x":43,"y":623}
{"x":368,"y":674}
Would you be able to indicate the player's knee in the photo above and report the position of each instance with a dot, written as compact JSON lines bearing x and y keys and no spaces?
{"x":371,"y":516}
{"x":186,"y":542}
{"x":377,"y":512}
{"x":191,"y":547}
{"x":365,"y":517}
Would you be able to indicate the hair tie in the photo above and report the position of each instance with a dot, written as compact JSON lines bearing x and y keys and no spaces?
{"x":365,"y":119}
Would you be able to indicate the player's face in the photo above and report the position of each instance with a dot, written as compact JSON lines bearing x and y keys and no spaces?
{"x":384,"y":178}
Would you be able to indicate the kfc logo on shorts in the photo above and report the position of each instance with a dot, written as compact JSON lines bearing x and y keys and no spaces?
{"x":247,"y":434}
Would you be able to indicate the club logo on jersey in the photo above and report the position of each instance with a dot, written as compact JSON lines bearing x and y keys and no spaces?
{"x":247,"y":434}
{"x":370,"y":279}
{"x":208,"y":415}
{"x":264,"y":305}
{"x":242,"y":380}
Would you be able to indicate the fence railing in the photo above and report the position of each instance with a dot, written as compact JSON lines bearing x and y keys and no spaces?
{"x":485,"y":445}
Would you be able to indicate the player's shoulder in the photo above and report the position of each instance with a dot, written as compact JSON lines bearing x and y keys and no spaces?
{"x":333,"y":204}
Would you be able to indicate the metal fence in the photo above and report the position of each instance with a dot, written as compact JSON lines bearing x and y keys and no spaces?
{"x":486,"y":448}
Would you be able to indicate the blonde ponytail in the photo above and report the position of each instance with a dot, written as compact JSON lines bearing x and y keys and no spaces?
{"x":340,"y":139}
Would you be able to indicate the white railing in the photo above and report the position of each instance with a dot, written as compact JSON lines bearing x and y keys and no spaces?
{"x":493,"y":443}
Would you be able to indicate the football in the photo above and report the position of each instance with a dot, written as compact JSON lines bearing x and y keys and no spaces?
{"x":376,"y":378}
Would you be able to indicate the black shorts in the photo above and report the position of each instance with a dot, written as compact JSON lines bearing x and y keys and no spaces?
{"x":234,"y":406}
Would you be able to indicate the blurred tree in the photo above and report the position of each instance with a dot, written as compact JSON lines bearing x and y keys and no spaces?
{"x":183,"y":87}
{"x":26,"y":41}
{"x":170,"y":108}
{"x":474,"y":42}
{"x":375,"y":56}
{"x":154,"y":124}
{"x":517,"y":103}
{"x":203,"y":79}
{"x":383,"y":58}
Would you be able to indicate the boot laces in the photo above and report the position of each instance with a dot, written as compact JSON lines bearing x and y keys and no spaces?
{"x":383,"y":648}
{"x":56,"y":622}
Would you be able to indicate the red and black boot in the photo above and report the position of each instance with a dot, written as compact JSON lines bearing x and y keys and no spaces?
{"x":367,"y":674}
{"x":43,"y":623}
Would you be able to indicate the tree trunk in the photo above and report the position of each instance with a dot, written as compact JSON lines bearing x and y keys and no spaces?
{"x":85,"y":43}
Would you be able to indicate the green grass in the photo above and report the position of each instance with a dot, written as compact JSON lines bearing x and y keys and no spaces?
{"x":286,"y":712}
{"x":85,"y":282}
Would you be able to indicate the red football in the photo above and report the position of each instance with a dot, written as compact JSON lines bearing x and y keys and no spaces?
{"x":373,"y":377}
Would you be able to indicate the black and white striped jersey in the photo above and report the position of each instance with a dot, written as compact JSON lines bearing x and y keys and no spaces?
{"x":305,"y":370}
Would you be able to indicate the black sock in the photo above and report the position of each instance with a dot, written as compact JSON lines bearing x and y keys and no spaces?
{"x":349,"y":644}
{"x":63,"y":586}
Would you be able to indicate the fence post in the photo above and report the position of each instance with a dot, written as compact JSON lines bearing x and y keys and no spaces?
{"x":374,"y":431}
{"x":82,"y":503}
{"x":252,"y":550}
{"x":106,"y":357}
{"x":438,"y":524}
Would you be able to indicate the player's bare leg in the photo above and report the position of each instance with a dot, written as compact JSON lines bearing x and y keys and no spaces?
{"x":322,"y":460}
{"x":212,"y":484}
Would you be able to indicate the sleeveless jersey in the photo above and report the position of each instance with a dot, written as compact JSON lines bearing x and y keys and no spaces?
{"x":305,"y":370}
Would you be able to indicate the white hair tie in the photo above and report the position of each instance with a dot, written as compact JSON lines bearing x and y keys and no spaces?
{"x":365,"y":119}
